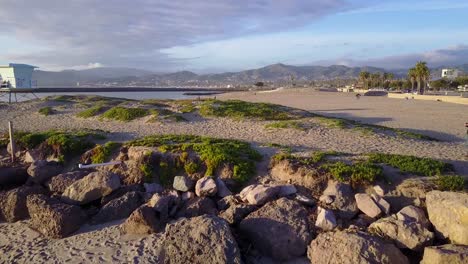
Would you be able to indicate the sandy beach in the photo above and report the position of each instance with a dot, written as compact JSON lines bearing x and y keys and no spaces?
{"x":104,"y":244}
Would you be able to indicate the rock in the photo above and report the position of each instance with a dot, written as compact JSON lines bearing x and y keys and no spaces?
{"x":280,"y":229}
{"x":340,"y":197}
{"x":92,"y":187}
{"x":286,"y":190}
{"x":59,"y":183}
{"x":123,"y":190}
{"x":379,"y":190}
{"x":409,"y":192}
{"x":164,"y":203}
{"x":353,"y":247}
{"x":41,"y":170}
{"x":118,"y":208}
{"x":259,"y":194}
{"x":203,"y":239}
{"x":187,"y":196}
{"x":206,"y":186}
{"x":139,"y":153}
{"x":413,"y":214}
{"x":13,"y":176}
{"x":153,"y":188}
{"x":227,"y":202}
{"x":363,"y":220}
{"x":381,"y":203}
{"x":367,"y":205}
{"x":52,"y":218}
{"x":448,"y":212}
{"x":236,"y":213}
{"x":325,"y":220}
{"x":183,"y":183}
{"x":223,"y":190}
{"x":144,"y":220}
{"x":196,"y":207}
{"x":304,"y":200}
{"x":13,"y":204}
{"x":32,"y":156}
{"x":453,"y":254}
{"x":412,"y":235}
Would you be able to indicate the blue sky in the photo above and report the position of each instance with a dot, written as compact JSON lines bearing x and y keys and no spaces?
{"x":230,"y":35}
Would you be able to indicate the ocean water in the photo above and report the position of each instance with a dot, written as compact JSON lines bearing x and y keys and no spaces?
{"x":126,"y":95}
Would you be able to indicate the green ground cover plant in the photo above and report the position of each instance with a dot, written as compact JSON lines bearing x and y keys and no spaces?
{"x":412,"y":164}
{"x":285,"y":125}
{"x":46,"y":111}
{"x":125,"y":114}
{"x":450,"y":183}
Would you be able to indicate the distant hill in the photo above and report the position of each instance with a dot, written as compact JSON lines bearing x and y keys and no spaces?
{"x":277,"y":73}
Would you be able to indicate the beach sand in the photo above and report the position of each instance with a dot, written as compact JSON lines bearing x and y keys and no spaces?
{"x":102,"y":244}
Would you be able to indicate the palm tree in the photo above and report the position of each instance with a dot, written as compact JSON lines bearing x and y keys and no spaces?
{"x":412,"y":76}
{"x":375,"y":77}
{"x":364,"y":77}
{"x":387,"y":79}
{"x":423,"y":73}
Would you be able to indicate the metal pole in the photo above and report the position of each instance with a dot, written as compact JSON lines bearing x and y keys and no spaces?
{"x":12,"y":141}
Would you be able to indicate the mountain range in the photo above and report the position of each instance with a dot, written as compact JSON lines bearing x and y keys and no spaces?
{"x":276,"y":73}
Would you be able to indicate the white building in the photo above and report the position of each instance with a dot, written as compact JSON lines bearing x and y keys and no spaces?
{"x":16,"y":76}
{"x":450,"y":73}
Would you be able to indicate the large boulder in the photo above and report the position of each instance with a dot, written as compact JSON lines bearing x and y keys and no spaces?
{"x":223,"y":190}
{"x":13,"y":204}
{"x":59,"y":183}
{"x":233,"y":211}
{"x":412,"y":213}
{"x":123,"y":190}
{"x":448,"y":212}
{"x":42,"y":170}
{"x":52,"y":218}
{"x":405,"y":234}
{"x":165,"y":204}
{"x":12,"y":176}
{"x":341,"y":199}
{"x":367,"y":205}
{"x":353,"y":247}
{"x":280,"y":229}
{"x":196,"y":207}
{"x":258,"y":194}
{"x":118,"y":208}
{"x":206,"y":186}
{"x":144,"y":220}
{"x":453,"y":254}
{"x":92,"y":187}
{"x":202,"y":239}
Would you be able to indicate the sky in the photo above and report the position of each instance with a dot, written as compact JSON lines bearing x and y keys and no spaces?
{"x":231,"y":35}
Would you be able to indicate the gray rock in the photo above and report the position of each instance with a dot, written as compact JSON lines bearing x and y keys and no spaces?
{"x":13,"y":176}
{"x":164,"y":204}
{"x":206,"y":186}
{"x":286,"y":190}
{"x":227,"y":202}
{"x":183,"y":183}
{"x":304,"y":200}
{"x":196,"y":207}
{"x":153,"y":188}
{"x":223,"y":190}
{"x":259,"y":194}
{"x":59,"y":183}
{"x":453,"y":254}
{"x":413,"y":214}
{"x":52,"y":218}
{"x":91,"y":187}
{"x":367,"y":205}
{"x":353,"y":247}
{"x":448,"y":213}
{"x":280,"y":229}
{"x":13,"y":204}
{"x":340,"y":197}
{"x":118,"y":208}
{"x":381,"y":203}
{"x":203,"y":239}
{"x":411,"y":235}
{"x":325,"y":219}
{"x":188,"y":195}
{"x":142,"y":221}
{"x":236,"y":213}
{"x":41,"y":170}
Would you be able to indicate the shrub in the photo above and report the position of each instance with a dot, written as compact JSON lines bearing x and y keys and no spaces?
{"x":93,"y":111}
{"x":101,"y":153}
{"x":191,"y":167}
{"x":212,"y":151}
{"x":147,"y":172}
{"x":319,"y":156}
{"x":359,"y":173}
{"x":333,"y":122}
{"x":240,"y":110}
{"x":125,"y":114}
{"x":285,"y":124}
{"x":412,"y":164}
{"x":46,"y":111}
{"x":450,"y":183}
